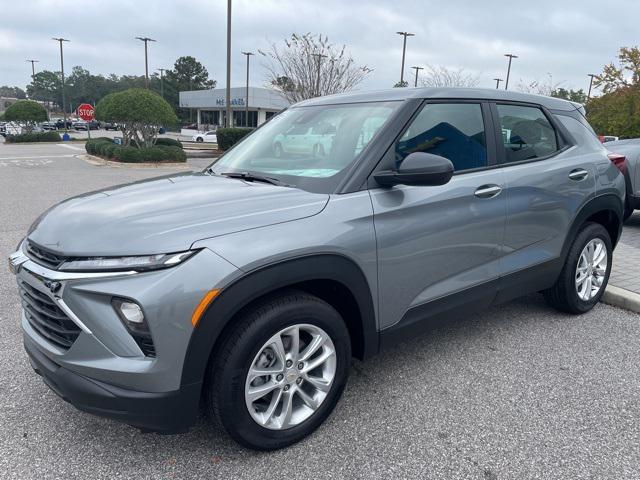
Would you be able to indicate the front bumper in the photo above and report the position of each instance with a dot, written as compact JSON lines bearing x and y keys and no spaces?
{"x":166,"y":412}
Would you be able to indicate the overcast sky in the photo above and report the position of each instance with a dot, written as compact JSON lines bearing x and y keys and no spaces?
{"x":563,"y":38}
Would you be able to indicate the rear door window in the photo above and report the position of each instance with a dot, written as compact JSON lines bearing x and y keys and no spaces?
{"x":527,"y":133}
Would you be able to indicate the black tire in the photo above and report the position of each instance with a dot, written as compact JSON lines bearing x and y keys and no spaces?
{"x":227,"y":373}
{"x":563,"y":295}
{"x":628,"y":211}
{"x":199,"y":139}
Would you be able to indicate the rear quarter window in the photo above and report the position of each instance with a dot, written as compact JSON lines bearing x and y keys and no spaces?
{"x":582,"y":134}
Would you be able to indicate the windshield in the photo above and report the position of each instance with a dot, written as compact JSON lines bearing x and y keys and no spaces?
{"x":308,"y":147}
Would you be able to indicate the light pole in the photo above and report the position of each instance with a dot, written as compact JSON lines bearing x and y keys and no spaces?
{"x":33,"y":67}
{"x":592,"y":75}
{"x":229,"y":120}
{"x":404,"y":49}
{"x":64,"y":108}
{"x":161,"y":70}
{"x":146,"y":40}
{"x":498,"y":80}
{"x":319,"y":57}
{"x":246,"y":100}
{"x":417,"y":69}
{"x":511,"y":57}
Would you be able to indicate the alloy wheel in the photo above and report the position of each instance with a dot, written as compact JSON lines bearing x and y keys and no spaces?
{"x":290,"y":376}
{"x":591,"y":269}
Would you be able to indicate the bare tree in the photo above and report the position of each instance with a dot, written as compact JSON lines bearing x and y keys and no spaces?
{"x":435,"y":76}
{"x":308,"y":66}
{"x":539,"y":87}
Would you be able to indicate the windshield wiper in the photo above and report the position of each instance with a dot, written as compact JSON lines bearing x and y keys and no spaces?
{"x":253,"y":177}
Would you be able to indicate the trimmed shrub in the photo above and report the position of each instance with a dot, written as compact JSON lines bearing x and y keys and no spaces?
{"x":28,"y":112}
{"x":93,"y":146}
{"x":228,"y":137}
{"x":128,"y":154}
{"x":34,"y":137}
{"x":168,"y":142}
{"x":175,"y":154}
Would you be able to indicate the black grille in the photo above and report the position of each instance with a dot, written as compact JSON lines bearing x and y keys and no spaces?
{"x":43,"y":256}
{"x":47,"y":318}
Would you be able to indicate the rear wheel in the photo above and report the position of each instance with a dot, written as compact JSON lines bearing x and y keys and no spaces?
{"x":199,"y":139}
{"x":280,"y":373}
{"x":586,"y":271}
{"x":628,"y":211}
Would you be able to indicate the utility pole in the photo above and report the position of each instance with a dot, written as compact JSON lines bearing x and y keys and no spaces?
{"x":592,"y":75}
{"x":33,"y":67}
{"x":318,"y":56}
{"x":229,"y":119}
{"x":498,"y":80}
{"x":511,"y":57}
{"x":146,"y":40}
{"x":64,"y":108}
{"x":417,"y":69}
{"x":404,"y":49}
{"x":246,"y":100}
{"x":161,"y":70}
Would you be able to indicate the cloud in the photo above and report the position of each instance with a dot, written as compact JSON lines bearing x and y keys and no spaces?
{"x":567,"y":39}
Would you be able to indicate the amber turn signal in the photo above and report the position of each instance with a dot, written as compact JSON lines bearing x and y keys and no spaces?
{"x":202,"y":306}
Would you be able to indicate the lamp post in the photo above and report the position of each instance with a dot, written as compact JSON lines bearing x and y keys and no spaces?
{"x":319,"y":57}
{"x":229,"y":120}
{"x":246,"y":100}
{"x":161,"y":70}
{"x":146,"y":40}
{"x":417,"y":69}
{"x":404,"y":49}
{"x":592,"y":75}
{"x":498,"y":80}
{"x":511,"y":57}
{"x":64,"y":108}
{"x":33,"y":67}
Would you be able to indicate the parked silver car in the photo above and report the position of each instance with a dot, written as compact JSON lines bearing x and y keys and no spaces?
{"x":251,"y":284}
{"x":629,"y":150}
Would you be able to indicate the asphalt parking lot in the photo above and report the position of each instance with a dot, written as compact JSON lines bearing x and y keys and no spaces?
{"x":517,"y":392}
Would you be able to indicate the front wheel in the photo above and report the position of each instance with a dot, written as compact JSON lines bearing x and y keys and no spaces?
{"x":281,"y":371}
{"x":586,"y":271}
{"x":199,"y":139}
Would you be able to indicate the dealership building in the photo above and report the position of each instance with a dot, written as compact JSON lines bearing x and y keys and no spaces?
{"x":210,"y":105}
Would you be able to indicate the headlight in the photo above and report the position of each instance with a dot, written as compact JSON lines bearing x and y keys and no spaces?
{"x":115,"y":264}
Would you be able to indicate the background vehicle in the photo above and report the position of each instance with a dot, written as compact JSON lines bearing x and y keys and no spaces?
{"x":82,"y":125}
{"x":607,"y":138}
{"x":302,"y":139}
{"x":111,"y":126}
{"x":206,"y":137}
{"x":49,"y":126}
{"x":256,"y":288}
{"x":630,"y":149}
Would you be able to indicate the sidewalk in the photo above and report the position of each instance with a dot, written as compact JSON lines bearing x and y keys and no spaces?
{"x":626,"y":259}
{"x":624,"y":283}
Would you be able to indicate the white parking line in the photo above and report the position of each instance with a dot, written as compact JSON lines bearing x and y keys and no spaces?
{"x":38,"y":156}
{"x":72,"y":147}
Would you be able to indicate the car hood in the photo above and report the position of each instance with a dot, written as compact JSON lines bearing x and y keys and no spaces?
{"x":167,"y":214}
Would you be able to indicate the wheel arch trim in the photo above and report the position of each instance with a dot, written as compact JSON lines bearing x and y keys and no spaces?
{"x":270,"y":278}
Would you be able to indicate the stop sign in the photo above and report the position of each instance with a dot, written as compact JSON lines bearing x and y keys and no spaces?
{"x":85,"y":111}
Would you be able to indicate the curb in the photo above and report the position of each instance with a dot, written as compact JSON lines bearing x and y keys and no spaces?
{"x":100,"y":162}
{"x":620,"y":297}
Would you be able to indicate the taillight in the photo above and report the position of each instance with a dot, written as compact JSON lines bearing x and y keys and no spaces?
{"x":620,"y":161}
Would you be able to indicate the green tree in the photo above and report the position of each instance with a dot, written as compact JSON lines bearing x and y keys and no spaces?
{"x":12,"y":92}
{"x":28,"y":112}
{"x":626,"y":74}
{"x":578,"y":96}
{"x":616,"y":113}
{"x":187,"y":74}
{"x":139,"y":112}
{"x":45,"y":86}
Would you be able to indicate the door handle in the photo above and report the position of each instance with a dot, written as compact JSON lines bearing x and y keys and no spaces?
{"x":488,"y":191}
{"x":578,"y":174}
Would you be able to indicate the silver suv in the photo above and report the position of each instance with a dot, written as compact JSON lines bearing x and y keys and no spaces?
{"x":247,"y":288}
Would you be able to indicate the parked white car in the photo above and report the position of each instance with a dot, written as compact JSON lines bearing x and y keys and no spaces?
{"x":207,"y":137}
{"x":305,"y":140}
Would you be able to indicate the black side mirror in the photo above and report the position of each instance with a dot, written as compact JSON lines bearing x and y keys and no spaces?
{"x":418,"y":168}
